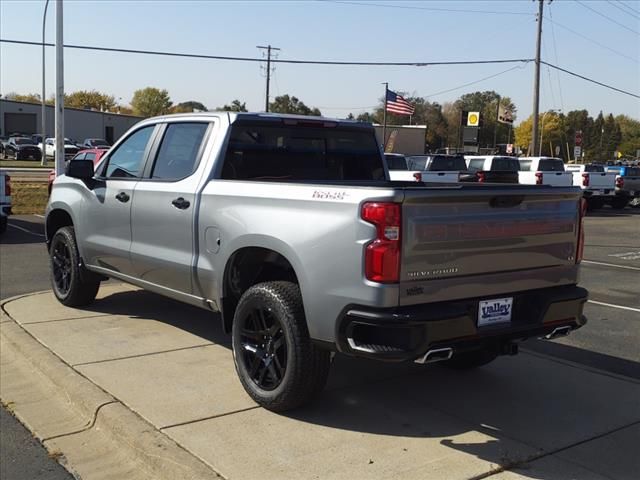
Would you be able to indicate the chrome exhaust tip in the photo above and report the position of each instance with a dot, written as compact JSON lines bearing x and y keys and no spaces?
{"x":559,"y":332}
{"x":435,"y":355}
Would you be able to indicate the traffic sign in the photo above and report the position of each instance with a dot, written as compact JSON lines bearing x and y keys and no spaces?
{"x":578,"y":138}
{"x":577,"y":152}
{"x":509,"y":148}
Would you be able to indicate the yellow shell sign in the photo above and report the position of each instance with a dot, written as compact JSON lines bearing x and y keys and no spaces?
{"x":473,"y":119}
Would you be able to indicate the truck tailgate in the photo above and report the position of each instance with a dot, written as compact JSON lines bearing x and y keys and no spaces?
{"x":475,"y":233}
{"x":602,"y":180}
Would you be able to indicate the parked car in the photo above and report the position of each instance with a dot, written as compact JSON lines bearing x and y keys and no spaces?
{"x":493,"y":168}
{"x":93,"y":154}
{"x":627,"y":184}
{"x":22,"y":148}
{"x":598,"y":186}
{"x":5,"y":200}
{"x":544,"y":171}
{"x":95,"y":143}
{"x":290,"y":228}
{"x":70,"y":148}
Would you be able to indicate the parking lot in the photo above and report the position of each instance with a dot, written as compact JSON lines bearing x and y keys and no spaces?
{"x":139,"y":386}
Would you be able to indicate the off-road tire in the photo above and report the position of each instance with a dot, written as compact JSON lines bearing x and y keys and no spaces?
{"x":472,"y":359}
{"x":65,"y":263}
{"x":306,"y":367}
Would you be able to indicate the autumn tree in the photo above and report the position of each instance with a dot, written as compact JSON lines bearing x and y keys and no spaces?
{"x":150,"y":101}
{"x":90,"y":99}
{"x":552,"y":133}
{"x":629,"y":135}
{"x":235,"y":106}
{"x":291,"y":104}
{"x":188,"y":107}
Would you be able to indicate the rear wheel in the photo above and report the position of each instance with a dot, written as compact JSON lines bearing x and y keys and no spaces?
{"x":278,"y":365}
{"x":73,"y":285}
{"x":473,"y":359}
{"x":594,"y":204}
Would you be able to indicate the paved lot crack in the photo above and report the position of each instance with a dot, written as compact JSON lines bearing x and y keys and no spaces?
{"x":538,"y":456}
{"x":159,"y":352}
{"x":67,"y":319}
{"x":189,"y":422}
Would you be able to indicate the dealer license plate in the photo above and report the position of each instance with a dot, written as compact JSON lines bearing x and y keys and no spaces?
{"x":496,"y":310}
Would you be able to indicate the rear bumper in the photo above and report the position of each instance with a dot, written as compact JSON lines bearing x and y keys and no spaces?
{"x":407,"y":333}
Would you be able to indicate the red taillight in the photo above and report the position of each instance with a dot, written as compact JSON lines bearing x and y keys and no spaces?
{"x":7,"y":185}
{"x":538,"y":178}
{"x":417,"y":176}
{"x":585,"y":179}
{"x":619,"y":182}
{"x":382,"y":256}
{"x":481,"y":177}
{"x":582,"y":213}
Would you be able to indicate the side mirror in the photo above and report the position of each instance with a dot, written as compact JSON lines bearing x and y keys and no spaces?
{"x":82,"y":169}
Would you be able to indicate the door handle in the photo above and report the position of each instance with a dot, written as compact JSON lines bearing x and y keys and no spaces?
{"x":122,"y":197}
{"x":181,"y":203}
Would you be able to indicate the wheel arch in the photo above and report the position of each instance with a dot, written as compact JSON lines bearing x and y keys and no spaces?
{"x":56,"y":219}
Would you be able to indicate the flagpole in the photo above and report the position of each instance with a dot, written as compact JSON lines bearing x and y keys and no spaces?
{"x":384,"y":118}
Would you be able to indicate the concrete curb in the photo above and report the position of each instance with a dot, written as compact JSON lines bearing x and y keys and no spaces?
{"x":129,"y":435}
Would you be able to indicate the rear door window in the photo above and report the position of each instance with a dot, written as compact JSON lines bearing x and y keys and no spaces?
{"x":178,"y":154}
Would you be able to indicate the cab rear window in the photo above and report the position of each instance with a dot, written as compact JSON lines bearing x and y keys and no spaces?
{"x":505,"y":164}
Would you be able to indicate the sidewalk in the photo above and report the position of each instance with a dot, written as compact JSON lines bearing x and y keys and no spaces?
{"x":155,"y":381}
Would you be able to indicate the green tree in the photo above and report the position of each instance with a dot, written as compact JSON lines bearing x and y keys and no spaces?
{"x":368,"y":117}
{"x":17,"y":97}
{"x":150,"y":101}
{"x":291,"y":104}
{"x":90,"y":100}
{"x":487,"y":104}
{"x":187,"y":107}
{"x":630,"y":135}
{"x":236,"y":106}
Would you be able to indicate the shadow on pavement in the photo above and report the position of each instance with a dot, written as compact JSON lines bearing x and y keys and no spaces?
{"x":611,"y":212}
{"x":18,"y":236}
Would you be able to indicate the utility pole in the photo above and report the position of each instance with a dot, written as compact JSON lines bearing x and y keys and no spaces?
{"x":536,"y":81}
{"x":43,"y":160}
{"x":268,"y":48}
{"x":59,"y":91}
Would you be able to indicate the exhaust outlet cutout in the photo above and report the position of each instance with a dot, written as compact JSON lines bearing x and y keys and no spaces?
{"x":559,"y":332}
{"x":435,"y":355}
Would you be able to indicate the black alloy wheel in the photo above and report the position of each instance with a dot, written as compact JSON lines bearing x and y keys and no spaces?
{"x":264,"y":348}
{"x":61,"y":268}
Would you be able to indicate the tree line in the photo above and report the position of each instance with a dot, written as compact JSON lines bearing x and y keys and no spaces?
{"x":601,"y":135}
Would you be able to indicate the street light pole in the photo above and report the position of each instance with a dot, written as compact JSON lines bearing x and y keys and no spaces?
{"x":43,"y":160}
{"x":59,"y":90}
{"x":542,"y":131}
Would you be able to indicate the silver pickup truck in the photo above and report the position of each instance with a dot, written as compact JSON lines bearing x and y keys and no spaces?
{"x":289,"y":228}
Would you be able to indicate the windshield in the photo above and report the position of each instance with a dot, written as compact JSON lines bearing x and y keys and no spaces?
{"x":24,"y":141}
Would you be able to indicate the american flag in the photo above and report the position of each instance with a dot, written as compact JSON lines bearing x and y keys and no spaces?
{"x":397,"y":104}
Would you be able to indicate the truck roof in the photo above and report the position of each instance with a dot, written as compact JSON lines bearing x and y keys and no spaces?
{"x":262,"y":117}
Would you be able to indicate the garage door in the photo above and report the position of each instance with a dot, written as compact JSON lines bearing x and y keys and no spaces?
{"x":20,"y":123}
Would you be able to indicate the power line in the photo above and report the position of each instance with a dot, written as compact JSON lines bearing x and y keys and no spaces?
{"x":607,"y":17}
{"x":252,"y":59}
{"x":431,"y":9}
{"x":591,"y":80}
{"x":474,"y":82}
{"x":624,"y":10}
{"x":628,"y":6}
{"x":635,"y":60}
{"x":555,"y":52}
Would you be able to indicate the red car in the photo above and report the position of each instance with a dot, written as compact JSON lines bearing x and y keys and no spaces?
{"x":94,"y":154}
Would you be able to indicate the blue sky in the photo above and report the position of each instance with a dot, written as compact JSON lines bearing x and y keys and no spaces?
{"x":328,"y":30}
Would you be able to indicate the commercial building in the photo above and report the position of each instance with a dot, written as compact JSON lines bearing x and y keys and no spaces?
{"x":22,"y":117}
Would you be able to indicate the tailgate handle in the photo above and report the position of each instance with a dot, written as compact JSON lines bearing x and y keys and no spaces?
{"x":506,"y":201}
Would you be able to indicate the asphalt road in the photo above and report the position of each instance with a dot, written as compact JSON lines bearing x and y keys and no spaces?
{"x":609,"y":342}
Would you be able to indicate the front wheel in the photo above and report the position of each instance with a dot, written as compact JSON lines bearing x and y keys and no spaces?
{"x":278,"y":365}
{"x":73,"y":285}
